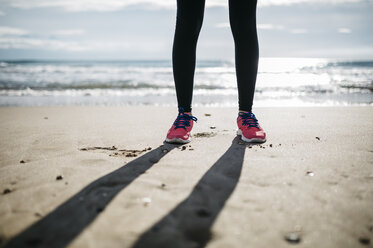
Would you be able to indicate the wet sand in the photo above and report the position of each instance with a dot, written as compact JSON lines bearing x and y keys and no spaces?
{"x":102,"y":177}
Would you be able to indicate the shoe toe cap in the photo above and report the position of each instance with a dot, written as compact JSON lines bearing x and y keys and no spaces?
{"x":173,"y":135}
{"x":254,"y":134}
{"x":260,"y":134}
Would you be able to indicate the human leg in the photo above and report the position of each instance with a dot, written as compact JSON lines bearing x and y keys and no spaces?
{"x":242,"y":17}
{"x":189,"y":19}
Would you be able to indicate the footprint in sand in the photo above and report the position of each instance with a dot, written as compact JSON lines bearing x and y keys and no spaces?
{"x":364,"y":240}
{"x":115,"y":152}
{"x":6,"y":191}
{"x":204,"y":135}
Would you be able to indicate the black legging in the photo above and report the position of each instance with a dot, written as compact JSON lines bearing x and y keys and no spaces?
{"x":242,"y":17}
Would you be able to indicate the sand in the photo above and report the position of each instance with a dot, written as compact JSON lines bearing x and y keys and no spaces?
{"x":102,"y":177}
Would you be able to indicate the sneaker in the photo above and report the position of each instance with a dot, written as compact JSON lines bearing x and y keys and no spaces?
{"x":249,"y":129}
{"x":180,"y":130}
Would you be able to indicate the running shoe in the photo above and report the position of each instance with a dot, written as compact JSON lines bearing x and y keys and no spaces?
{"x":180,"y":130}
{"x":249,"y":128}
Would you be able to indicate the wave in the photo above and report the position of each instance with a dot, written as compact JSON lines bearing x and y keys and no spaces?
{"x":278,"y":79}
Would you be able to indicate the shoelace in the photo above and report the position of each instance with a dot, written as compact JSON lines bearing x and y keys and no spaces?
{"x":249,"y":119}
{"x":183,"y":120}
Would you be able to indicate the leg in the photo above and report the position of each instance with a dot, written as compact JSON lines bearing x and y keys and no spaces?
{"x":189,"y":20}
{"x":242,"y":17}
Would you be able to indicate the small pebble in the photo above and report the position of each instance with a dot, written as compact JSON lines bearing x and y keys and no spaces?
{"x":45,"y":118}
{"x":292,"y":238}
{"x":131,"y":155}
{"x":191,"y":149}
{"x":38,"y":215}
{"x":22,"y":161}
{"x":310,"y":173}
{"x":183,"y":148}
{"x":164,"y":150}
{"x":212,"y":127}
{"x":163,"y":185}
{"x":270,"y":145}
{"x":207,"y":114}
{"x":6,"y":191}
{"x":146,"y":201}
{"x":318,"y":138}
{"x":59,"y":177}
{"x":149,"y":148}
{"x":364,"y":240}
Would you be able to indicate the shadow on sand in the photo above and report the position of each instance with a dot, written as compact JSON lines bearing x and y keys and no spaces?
{"x":63,"y":224}
{"x":189,"y":224}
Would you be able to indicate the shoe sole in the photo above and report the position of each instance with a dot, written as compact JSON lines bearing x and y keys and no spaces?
{"x":253,"y":140}
{"x":178,"y":141}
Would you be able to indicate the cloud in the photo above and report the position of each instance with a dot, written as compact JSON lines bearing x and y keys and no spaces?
{"x":270,"y":27}
{"x":87,"y":5}
{"x":291,"y":2}
{"x":31,"y":43}
{"x":45,"y":43}
{"x":259,"y":26}
{"x":13,"y":38}
{"x":69,"y":32}
{"x":299,"y":31}
{"x":114,"y":5}
{"x":223,"y":25}
{"x":12,"y":31}
{"x":344,"y":30}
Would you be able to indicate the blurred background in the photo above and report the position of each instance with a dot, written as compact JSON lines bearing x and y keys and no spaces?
{"x":118,"y":52}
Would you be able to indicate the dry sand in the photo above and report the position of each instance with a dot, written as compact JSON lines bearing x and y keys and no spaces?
{"x":102,"y":177}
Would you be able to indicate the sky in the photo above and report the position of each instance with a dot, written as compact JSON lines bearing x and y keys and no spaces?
{"x":144,"y":29}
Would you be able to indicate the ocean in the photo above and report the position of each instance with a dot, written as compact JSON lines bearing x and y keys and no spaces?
{"x":280,"y":82}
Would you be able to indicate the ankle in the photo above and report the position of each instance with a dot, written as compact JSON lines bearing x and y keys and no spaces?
{"x":243,"y":111}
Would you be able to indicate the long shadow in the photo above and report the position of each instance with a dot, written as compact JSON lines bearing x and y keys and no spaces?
{"x":62,"y":225}
{"x":189,"y":224}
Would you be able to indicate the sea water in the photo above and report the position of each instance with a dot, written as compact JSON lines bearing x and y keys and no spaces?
{"x":280,"y":82}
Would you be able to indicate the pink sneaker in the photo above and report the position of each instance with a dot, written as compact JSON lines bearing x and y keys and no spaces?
{"x":180,"y":130}
{"x":249,"y":128}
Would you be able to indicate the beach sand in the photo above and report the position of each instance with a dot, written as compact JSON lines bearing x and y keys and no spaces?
{"x":102,"y":177}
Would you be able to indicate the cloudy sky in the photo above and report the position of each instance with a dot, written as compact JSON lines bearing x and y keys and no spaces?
{"x":144,"y":29}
